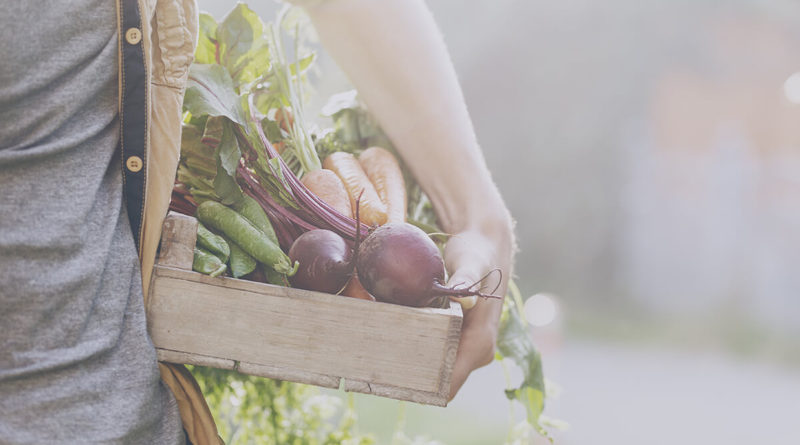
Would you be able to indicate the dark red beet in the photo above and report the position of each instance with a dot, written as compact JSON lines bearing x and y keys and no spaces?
{"x":325,"y":261}
{"x":398,"y":263}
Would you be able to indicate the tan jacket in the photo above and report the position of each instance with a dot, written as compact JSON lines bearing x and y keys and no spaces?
{"x":157,"y":41}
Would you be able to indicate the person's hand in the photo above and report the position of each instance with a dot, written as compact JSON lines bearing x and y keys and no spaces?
{"x":469,"y":256}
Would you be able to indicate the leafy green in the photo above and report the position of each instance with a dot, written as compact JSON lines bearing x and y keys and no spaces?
{"x":206,"y":51}
{"x":228,"y":150}
{"x":514,"y":343}
{"x":243,"y":50}
{"x":210,"y":91}
{"x":289,"y":88}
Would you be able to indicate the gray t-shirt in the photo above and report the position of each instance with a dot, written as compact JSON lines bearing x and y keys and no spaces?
{"x":76,"y":364}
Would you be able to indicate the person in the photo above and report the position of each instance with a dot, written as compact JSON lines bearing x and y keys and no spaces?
{"x":90,"y":115}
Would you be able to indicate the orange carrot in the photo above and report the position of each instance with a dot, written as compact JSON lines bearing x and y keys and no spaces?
{"x":284,"y":118}
{"x":354,"y":289}
{"x":372,"y":210}
{"x":384,"y":172}
{"x":328,"y":186}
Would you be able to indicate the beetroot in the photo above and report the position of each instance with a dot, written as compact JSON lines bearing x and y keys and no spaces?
{"x":325,"y":261}
{"x":398,"y":263}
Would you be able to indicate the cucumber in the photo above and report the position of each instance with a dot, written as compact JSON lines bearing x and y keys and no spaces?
{"x":246,"y":235}
{"x":253,"y":212}
{"x":212,"y":243}
{"x":207,"y":263}
{"x":241,"y":262}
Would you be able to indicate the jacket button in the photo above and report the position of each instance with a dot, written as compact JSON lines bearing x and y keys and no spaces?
{"x":134,"y":164}
{"x":133,"y":36}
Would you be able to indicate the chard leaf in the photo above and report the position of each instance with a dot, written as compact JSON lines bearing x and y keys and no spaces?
{"x":271,"y":130}
{"x":228,"y":151}
{"x":212,"y":133}
{"x":228,"y":154}
{"x":192,"y":142}
{"x":242,"y":43}
{"x":206,"y":51}
{"x":252,"y":66}
{"x":210,"y":91}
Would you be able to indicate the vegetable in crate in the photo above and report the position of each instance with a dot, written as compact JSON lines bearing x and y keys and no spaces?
{"x":358,"y":185}
{"x":246,"y":235}
{"x":212,"y":243}
{"x":325,"y":184}
{"x":385,"y":175}
{"x":246,"y":95}
{"x":398,"y":263}
{"x":207,"y":263}
{"x":242,"y":263}
{"x":325,"y":261}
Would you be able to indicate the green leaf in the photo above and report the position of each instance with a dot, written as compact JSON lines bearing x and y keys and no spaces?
{"x":226,"y":188}
{"x":212,"y":133}
{"x":228,"y":150}
{"x":192,"y":142}
{"x":303,"y":64}
{"x":241,"y":41}
{"x":210,"y":91}
{"x":228,"y":154}
{"x":207,"y":40}
{"x":271,"y":130}
{"x":514,"y":343}
{"x":252,"y":66}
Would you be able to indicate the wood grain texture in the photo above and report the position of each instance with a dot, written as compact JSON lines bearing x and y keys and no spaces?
{"x":302,"y":336}
{"x":178,"y":238}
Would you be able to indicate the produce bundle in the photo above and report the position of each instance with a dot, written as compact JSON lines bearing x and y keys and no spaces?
{"x":282,"y":201}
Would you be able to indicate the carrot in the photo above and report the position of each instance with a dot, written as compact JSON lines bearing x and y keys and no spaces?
{"x":328,"y":186}
{"x":384,"y":172}
{"x":354,"y":289}
{"x":356,"y":182}
{"x":284,"y":118}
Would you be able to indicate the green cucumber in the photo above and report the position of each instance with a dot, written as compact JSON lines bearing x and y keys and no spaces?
{"x":246,"y":235}
{"x":253,"y":212}
{"x":207,"y":263}
{"x":241,"y":262}
{"x":212,"y":243}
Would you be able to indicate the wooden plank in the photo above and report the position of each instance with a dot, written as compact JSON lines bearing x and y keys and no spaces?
{"x":397,"y":393}
{"x":178,"y":238}
{"x":295,"y":334}
{"x":165,"y":355}
{"x":294,"y":375}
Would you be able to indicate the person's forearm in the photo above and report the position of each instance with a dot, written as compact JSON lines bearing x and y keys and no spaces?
{"x":393,"y":53}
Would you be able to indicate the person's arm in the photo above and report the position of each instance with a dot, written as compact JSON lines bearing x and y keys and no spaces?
{"x":394,"y":55}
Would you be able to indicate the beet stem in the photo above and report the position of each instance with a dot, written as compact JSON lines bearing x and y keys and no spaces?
{"x":357,"y":244}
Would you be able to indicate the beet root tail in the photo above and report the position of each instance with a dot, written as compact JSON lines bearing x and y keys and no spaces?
{"x":472,"y":290}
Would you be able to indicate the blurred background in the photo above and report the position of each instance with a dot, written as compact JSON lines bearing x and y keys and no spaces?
{"x":650,"y":153}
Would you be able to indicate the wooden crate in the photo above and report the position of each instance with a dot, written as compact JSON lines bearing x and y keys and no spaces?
{"x":292,"y":334}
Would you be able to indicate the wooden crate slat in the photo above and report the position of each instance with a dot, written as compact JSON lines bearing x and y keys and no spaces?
{"x":297,"y":335}
{"x":320,"y":334}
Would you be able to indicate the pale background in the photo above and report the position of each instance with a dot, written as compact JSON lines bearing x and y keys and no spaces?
{"x":650,"y":152}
